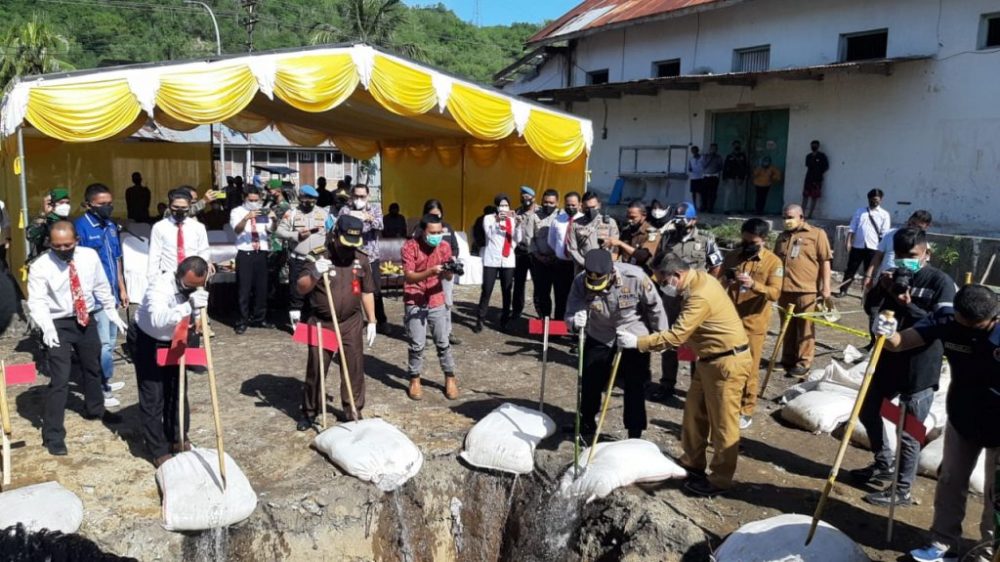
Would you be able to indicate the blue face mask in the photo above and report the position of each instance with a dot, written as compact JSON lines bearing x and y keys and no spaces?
{"x":433,"y":240}
{"x":913,"y":264}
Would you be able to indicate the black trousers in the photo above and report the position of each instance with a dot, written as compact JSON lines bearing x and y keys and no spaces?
{"x":633,"y":373}
{"x":295,"y":267}
{"x":159,"y":392}
{"x":86,"y":343}
{"x":490,"y":275}
{"x":251,"y":280}
{"x":761,"y":200}
{"x":709,"y":193}
{"x":858,"y":258}
{"x":521,"y":269}
{"x":380,"y":316}
{"x":668,"y":359}
{"x":563,"y":273}
{"x":352,"y":329}
{"x":542,"y":278}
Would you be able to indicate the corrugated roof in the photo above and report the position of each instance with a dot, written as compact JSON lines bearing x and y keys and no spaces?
{"x":594,"y":14}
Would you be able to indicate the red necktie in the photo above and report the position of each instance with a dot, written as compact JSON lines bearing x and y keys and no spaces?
{"x":180,"y":242}
{"x":569,"y":229}
{"x":79,"y":304}
{"x":254,"y":236}
{"x":507,"y":238}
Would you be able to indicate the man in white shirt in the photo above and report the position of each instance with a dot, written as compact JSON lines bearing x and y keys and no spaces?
{"x":303,"y":228}
{"x":563,"y":269}
{"x":253,"y":227}
{"x":696,"y":173}
{"x":503,"y":234}
{"x":169,"y":299}
{"x":867,"y":228}
{"x":176,"y":236}
{"x":65,"y":286}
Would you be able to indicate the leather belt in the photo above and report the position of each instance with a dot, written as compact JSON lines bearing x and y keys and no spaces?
{"x":733,"y":351}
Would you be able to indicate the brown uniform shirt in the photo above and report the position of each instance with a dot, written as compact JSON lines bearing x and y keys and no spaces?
{"x":341,"y":276}
{"x":754,"y":304}
{"x":801,"y":252}
{"x":708,"y":321}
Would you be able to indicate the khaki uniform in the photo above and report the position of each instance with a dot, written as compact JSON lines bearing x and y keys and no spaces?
{"x":587,"y":235}
{"x":802,"y":252}
{"x":288,"y":231}
{"x":644,"y":239}
{"x":754,"y":307}
{"x":709,"y":323}
{"x":350,"y":315}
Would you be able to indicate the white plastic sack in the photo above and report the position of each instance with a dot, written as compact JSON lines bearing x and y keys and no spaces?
{"x":820,"y":411}
{"x":506,"y":439}
{"x":193,"y":498}
{"x":860,"y":435}
{"x":372,"y":450}
{"x":930,"y":461}
{"x":618,"y":464}
{"x":783,"y":538}
{"x":41,"y":506}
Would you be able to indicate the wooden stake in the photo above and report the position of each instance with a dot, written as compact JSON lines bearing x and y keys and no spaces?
{"x":4,"y":408}
{"x":340,"y":342}
{"x":215,"y":398}
{"x":545,"y":362}
{"x":181,"y":375}
{"x":607,"y":402}
{"x":789,"y":314}
{"x":895,"y":474}
{"x":320,"y":351}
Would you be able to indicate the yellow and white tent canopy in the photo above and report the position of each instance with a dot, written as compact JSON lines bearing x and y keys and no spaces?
{"x":364,"y":100}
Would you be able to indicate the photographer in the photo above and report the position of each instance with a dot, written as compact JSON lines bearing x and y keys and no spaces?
{"x":503,"y":234}
{"x":435,"y":207}
{"x":913,"y":290}
{"x":426,"y":262}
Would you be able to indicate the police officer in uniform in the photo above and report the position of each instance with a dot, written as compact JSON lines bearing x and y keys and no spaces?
{"x":709,"y":323}
{"x":594,"y":230}
{"x":683,"y":239}
{"x":353,"y":290}
{"x":605,"y":299}
{"x":303,"y":228}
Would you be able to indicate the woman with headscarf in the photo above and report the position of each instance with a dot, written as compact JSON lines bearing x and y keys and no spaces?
{"x":502,"y":234}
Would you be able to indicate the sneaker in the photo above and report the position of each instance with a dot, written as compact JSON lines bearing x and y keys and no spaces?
{"x":115,"y":386}
{"x":110,"y":401}
{"x":885,"y":498}
{"x":305,"y":423}
{"x":873,"y":475}
{"x":797,"y":372}
{"x":934,"y":552}
{"x":745,"y":422}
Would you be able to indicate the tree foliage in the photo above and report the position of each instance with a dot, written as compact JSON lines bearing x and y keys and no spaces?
{"x":31,"y":48}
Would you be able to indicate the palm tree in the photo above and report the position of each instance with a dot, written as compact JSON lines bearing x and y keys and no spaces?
{"x":32,"y":48}
{"x":370,"y":21}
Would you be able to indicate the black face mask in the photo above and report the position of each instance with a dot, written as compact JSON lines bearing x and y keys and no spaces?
{"x":186,"y":291}
{"x":307,"y":206}
{"x":546,"y":210}
{"x":592,"y":213}
{"x":103,"y":212}
{"x":64,"y":255}
{"x":572,"y":211}
{"x":749,"y":250}
{"x":179,"y":216}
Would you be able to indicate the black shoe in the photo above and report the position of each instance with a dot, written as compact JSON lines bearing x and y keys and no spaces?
{"x":574,"y":350}
{"x":382,"y":328}
{"x":662,"y":393}
{"x":587,"y":430}
{"x":107,"y":417}
{"x":305,"y":423}
{"x":453,"y":340}
{"x":885,"y":498}
{"x":703,"y":488}
{"x":504,"y":323}
{"x":873,"y":475}
{"x":57,"y":449}
{"x":262,"y":324}
{"x":797,"y":372}
{"x":635,"y":434}
{"x":240,"y":329}
{"x":478,"y":327}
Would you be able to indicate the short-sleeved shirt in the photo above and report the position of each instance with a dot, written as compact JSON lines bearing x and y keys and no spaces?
{"x":869,"y":227}
{"x":102,"y":236}
{"x":417,"y":256}
{"x":342,"y":276}
{"x":973,"y":403}
{"x":631,"y":303}
{"x":802,"y":251}
{"x":816,"y":165}
{"x":754,"y":304}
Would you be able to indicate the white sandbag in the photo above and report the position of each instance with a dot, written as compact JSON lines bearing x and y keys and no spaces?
{"x":820,"y":411}
{"x":977,"y":482}
{"x":860,"y":435}
{"x":41,"y":506}
{"x":193,"y":498}
{"x":617,"y":464}
{"x":852,"y":354}
{"x":930,"y":462}
{"x":506,"y":439}
{"x":783,"y":538}
{"x":372,"y":450}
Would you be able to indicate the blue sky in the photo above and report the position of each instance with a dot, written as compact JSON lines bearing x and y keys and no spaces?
{"x":494,"y":12}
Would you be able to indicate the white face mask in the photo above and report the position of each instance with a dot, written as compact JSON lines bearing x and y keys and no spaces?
{"x":503,"y":208}
{"x":669,"y":290}
{"x":62,"y":210}
{"x":252,"y":205}
{"x":659,"y":213}
{"x":360,"y":204}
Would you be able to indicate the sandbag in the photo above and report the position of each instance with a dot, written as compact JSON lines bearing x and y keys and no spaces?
{"x":930,"y":462}
{"x":820,"y":411}
{"x":783,"y":538}
{"x":618,"y":464}
{"x":193,"y":498}
{"x":506,"y":439}
{"x":41,"y":506}
{"x":372,"y":450}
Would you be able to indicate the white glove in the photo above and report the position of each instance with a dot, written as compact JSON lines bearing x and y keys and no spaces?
{"x":627,"y":340}
{"x":370,"y":334}
{"x":885,"y":326}
{"x":50,"y":338}
{"x":198,"y":299}
{"x":579,"y":320}
{"x":117,"y":321}
{"x":323,"y":265}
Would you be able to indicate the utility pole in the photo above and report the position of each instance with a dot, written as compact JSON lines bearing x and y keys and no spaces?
{"x":476,"y":16}
{"x":251,"y":20}
{"x":222,"y":128}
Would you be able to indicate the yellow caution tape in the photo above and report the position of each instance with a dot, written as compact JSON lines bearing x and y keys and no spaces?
{"x":833,"y":325}
{"x":17,"y":166}
{"x":24,"y":273}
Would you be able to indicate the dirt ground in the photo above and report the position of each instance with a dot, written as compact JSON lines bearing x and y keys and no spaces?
{"x":308,"y":507}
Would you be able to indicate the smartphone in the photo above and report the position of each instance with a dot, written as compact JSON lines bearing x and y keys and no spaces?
{"x":220,"y":195}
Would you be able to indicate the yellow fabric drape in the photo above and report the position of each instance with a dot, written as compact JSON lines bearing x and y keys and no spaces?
{"x":72,"y":114}
{"x":359,"y":149}
{"x":248,"y":122}
{"x":556,"y":138}
{"x":483,"y":115}
{"x":164,"y":120}
{"x":401,"y":88}
{"x":484,"y":154}
{"x":449,"y":153}
{"x":316,"y":83}
{"x":206,"y":96}
{"x":301,"y":135}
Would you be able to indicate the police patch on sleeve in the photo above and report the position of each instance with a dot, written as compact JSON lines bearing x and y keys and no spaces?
{"x":780,"y":272}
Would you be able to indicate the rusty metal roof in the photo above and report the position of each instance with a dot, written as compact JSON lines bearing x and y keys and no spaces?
{"x":591,"y":15}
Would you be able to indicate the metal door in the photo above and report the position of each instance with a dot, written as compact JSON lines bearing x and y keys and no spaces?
{"x":762,"y":133}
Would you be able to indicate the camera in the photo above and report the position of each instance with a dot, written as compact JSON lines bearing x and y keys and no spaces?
{"x":902,"y":280}
{"x":454,"y":267}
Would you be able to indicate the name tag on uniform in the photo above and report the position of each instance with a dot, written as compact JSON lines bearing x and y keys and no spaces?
{"x":796,"y":248}
{"x":627,"y":300}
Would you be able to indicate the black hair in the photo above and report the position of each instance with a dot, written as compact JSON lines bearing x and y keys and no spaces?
{"x":489,"y":210}
{"x":637,"y":205}
{"x":976,"y":303}
{"x":588,"y":195}
{"x":657,"y":202}
{"x":251,"y":190}
{"x":875,"y":193}
{"x":550,"y":193}
{"x":429,"y":219}
{"x":501,"y":198}
{"x":19,"y":543}
{"x":571,"y":194}
{"x":756,"y":227}
{"x":814,"y":141}
{"x":181,"y":192}
{"x":361,"y":185}
{"x":93,"y":190}
{"x":193,"y":264}
{"x":694,"y":148}
{"x":906,"y":239}
{"x":393,"y":206}
{"x":921,"y":216}
{"x":432,"y":204}
{"x":670,"y":264}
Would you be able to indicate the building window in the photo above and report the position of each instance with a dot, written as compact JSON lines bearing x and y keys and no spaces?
{"x":864,"y":46}
{"x":753,"y":59}
{"x":597,"y":77}
{"x":667,"y":68}
{"x":278,"y":158}
{"x":989,"y":31}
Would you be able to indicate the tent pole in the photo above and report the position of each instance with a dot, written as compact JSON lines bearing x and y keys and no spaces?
{"x":222,"y":156}
{"x":23,"y":180}
{"x":462,"y":189}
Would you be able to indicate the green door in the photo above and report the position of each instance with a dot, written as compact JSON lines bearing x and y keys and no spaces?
{"x":762,"y":133}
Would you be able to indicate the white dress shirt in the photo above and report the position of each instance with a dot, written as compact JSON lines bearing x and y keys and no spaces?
{"x":163,"y":307}
{"x":888,"y":252}
{"x":495,"y":237}
{"x":244,"y":240}
{"x":866,"y":226}
{"x":557,"y":234}
{"x":163,"y":245}
{"x":49,"y":294}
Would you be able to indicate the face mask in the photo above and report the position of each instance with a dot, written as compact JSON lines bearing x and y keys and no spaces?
{"x":433,"y":240}
{"x":750,"y":250}
{"x":64,"y":255}
{"x":791,"y":224}
{"x":179,"y":216}
{"x":592,"y":213}
{"x":913,"y":264}
{"x":872,"y":204}
{"x":503,"y":209}
{"x":251,"y":205}
{"x":669,"y":290}
{"x":547,"y":210}
{"x":186,"y":291}
{"x":61,"y":210}
{"x":360,"y":204}
{"x":103,"y":211}
{"x":659,"y":213}
{"x":572,"y":211}
{"x":307,"y":206}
